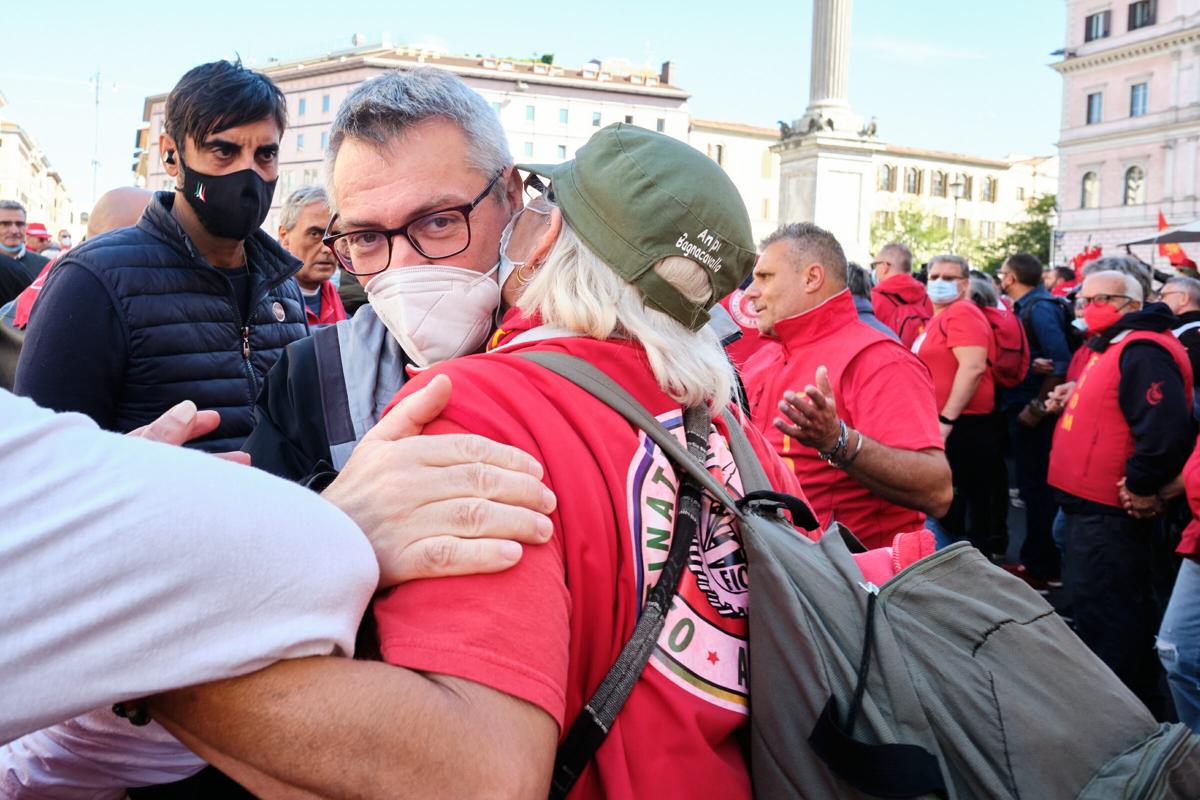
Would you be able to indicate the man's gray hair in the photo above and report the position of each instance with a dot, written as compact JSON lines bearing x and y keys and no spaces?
{"x":1133,"y":287}
{"x":1124,"y":264}
{"x":963,"y":266}
{"x":903,"y":253}
{"x":1189,"y":286}
{"x":858,"y":280}
{"x":982,"y":290}
{"x":388,"y":105}
{"x":299,"y":200}
{"x":13,"y":205}
{"x":813,"y":242}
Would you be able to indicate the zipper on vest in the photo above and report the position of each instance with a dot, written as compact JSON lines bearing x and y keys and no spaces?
{"x":246,"y":342}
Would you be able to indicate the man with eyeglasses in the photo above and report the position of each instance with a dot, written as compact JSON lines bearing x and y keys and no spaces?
{"x":1125,"y":433}
{"x":195,"y":302}
{"x":422,"y":188}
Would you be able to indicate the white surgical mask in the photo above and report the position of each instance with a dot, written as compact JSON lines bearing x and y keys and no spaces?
{"x":435,"y":312}
{"x":1080,"y":324}
{"x":942,"y":291}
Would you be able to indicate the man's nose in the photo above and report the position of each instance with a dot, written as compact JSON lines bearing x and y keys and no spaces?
{"x":404,"y":254}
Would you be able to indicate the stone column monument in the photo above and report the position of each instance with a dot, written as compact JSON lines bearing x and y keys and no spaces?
{"x":826,"y":156}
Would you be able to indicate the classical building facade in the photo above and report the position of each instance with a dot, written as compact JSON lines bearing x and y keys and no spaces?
{"x":837,"y":172}
{"x":744,"y":151}
{"x":27,"y":177}
{"x":1130,"y":130}
{"x":548,"y":111}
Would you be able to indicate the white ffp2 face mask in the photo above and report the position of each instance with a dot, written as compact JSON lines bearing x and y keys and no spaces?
{"x":436,"y":313}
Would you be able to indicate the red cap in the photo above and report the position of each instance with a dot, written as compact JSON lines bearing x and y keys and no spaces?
{"x":37,"y":229}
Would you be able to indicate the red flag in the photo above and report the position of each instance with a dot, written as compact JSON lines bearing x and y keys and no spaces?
{"x":1173,"y":252}
{"x":1088,"y":254}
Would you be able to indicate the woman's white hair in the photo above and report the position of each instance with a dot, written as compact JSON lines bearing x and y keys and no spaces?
{"x":576,"y":290}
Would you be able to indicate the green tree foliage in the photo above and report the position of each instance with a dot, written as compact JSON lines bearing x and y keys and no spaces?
{"x":1031,"y":235}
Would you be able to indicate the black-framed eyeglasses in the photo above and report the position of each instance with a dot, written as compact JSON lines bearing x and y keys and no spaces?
{"x":438,"y":234}
{"x":1082,"y":302}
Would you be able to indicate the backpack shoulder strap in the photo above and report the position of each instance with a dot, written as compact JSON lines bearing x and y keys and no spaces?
{"x":609,"y":392}
{"x":1182,"y":329}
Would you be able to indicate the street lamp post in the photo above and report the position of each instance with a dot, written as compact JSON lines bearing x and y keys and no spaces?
{"x":956,"y":188}
{"x":1052,"y":222}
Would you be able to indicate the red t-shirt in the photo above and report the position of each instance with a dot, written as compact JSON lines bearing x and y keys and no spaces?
{"x":962,"y":324}
{"x":548,"y":630}
{"x":746,"y":317}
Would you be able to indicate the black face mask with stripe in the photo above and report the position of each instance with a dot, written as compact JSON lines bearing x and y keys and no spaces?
{"x":229,"y":206}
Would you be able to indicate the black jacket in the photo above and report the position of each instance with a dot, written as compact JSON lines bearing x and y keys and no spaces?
{"x":134,"y":321}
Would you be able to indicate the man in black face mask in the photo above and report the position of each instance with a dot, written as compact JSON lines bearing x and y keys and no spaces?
{"x":193,"y":302}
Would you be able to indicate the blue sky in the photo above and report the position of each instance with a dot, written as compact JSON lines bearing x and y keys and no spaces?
{"x":961,"y":75}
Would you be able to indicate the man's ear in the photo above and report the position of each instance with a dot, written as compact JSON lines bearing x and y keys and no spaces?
{"x":514,"y":190}
{"x":167,"y":147}
{"x":282,"y":237}
{"x":814,"y":277}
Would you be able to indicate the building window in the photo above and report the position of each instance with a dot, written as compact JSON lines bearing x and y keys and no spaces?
{"x":937,"y":183}
{"x":529,"y":113}
{"x":1135,"y":187}
{"x":912,"y":180}
{"x":887,"y":178}
{"x":766,"y":208}
{"x":768,"y":164}
{"x":1141,"y":14}
{"x":629,"y":119}
{"x":324,"y":139}
{"x":562,"y":152}
{"x":529,"y":148}
{"x":941,"y":223}
{"x":1137,"y":100}
{"x":1021,"y":193}
{"x":717,"y":153}
{"x":964,"y":227}
{"x":324,"y":104}
{"x":1096,"y":26}
{"x":303,"y":106}
{"x":300,"y":141}
{"x":1094,"y":102}
{"x":988,"y":195}
{"x":562,"y":116}
{"x":885,"y":220}
{"x":987,"y":230}
{"x":660,"y":125}
{"x":595,"y":119}
{"x":967,"y":191}
{"x":1090,"y":194}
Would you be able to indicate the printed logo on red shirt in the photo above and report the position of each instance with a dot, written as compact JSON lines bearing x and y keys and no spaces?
{"x":742,"y":310}
{"x":1154,"y":394}
{"x":702,"y":648}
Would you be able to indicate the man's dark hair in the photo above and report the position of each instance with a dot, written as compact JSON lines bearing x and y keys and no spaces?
{"x":1066,"y":273}
{"x":1025,"y":268}
{"x":858,"y":280}
{"x":218,"y":96}
{"x":813,"y":242}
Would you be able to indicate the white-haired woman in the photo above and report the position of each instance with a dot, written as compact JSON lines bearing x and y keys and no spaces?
{"x":595,"y":274}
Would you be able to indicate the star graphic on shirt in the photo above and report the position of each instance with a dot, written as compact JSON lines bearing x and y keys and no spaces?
{"x":712,"y":657}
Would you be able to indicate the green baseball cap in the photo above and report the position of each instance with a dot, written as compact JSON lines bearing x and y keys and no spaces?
{"x":635,"y":197}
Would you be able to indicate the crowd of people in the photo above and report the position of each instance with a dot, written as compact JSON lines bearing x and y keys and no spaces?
{"x":355,"y":450}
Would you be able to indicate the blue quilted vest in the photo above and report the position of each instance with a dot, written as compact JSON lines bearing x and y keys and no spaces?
{"x":186,"y":338}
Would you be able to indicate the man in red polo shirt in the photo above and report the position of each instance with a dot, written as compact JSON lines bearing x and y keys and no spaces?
{"x":863,"y":437}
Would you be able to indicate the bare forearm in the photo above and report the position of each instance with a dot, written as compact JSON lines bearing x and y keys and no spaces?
{"x":917,"y":479}
{"x":966,"y":382}
{"x":342,"y":728}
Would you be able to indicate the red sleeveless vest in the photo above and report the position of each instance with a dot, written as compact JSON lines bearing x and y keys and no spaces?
{"x":1092,"y":440}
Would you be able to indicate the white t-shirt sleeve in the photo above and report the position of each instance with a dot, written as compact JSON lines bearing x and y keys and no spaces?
{"x":129,"y":568}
